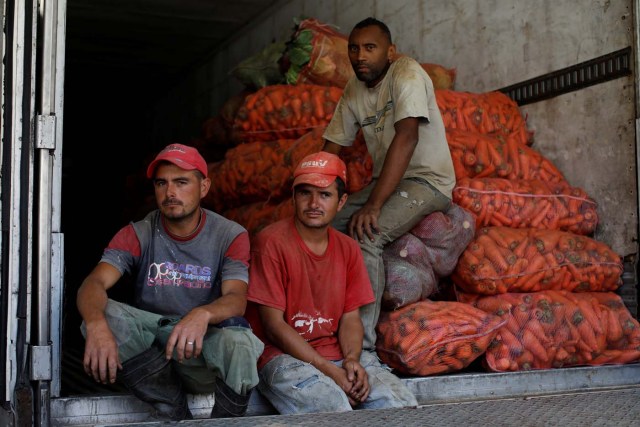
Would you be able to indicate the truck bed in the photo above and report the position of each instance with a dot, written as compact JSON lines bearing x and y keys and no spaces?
{"x":581,"y":396}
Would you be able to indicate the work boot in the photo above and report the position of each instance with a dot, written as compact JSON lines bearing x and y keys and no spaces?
{"x":228,"y":403}
{"x":152,"y":379}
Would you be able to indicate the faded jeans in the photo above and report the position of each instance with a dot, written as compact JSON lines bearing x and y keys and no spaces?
{"x":294,"y":387}
{"x":230,"y":352}
{"x":407,"y":206}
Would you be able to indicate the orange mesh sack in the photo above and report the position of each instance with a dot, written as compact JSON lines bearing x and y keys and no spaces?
{"x":284,"y":112}
{"x":527,"y":203}
{"x":255,"y":216}
{"x":496,"y":155}
{"x":485,"y":113}
{"x":250,"y":172}
{"x":504,"y":259}
{"x":434,"y":337}
{"x":555,"y":329}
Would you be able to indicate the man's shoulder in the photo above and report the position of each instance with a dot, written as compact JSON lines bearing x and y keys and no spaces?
{"x":344,"y":240}
{"x":275,"y":230}
{"x":405,"y":64}
{"x":220,"y":221}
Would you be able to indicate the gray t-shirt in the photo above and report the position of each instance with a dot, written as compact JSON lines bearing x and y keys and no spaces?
{"x":405,"y":91}
{"x":172,"y":275}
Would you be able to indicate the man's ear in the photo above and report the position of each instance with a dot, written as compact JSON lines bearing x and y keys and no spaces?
{"x":205,"y":184}
{"x":342,"y":201}
{"x":391,"y":53}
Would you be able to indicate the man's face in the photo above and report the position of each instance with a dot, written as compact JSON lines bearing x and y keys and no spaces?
{"x":178,"y":191}
{"x":317,"y":206}
{"x":370,"y":53}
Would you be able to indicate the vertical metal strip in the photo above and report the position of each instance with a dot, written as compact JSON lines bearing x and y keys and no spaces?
{"x":14,"y":201}
{"x":57,"y":254}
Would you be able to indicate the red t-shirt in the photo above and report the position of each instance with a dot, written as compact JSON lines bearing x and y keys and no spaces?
{"x":313,"y":291}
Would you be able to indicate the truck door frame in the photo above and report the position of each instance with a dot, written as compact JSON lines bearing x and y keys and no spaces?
{"x":31,"y":242}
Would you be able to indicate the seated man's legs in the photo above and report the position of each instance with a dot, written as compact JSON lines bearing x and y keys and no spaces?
{"x":406,"y":207}
{"x":387,"y":390}
{"x":145,"y":370}
{"x":226,"y":367}
{"x":294,"y":387}
{"x":134,"y":329}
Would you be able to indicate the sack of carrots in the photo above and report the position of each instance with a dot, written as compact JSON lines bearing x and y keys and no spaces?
{"x":505,"y":259}
{"x":477,"y":155}
{"x":284,"y":112}
{"x":489,"y":112}
{"x":359,"y":164}
{"x":256,"y":216}
{"x":250,"y":172}
{"x":554,"y":329}
{"x":434,"y":337}
{"x":524,"y":203}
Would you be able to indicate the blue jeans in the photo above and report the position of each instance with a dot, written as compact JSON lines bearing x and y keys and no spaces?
{"x":294,"y":387}
{"x":407,"y":206}
{"x":230,"y":353}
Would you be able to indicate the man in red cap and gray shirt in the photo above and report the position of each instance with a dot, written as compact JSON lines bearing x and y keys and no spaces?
{"x":307,"y":281}
{"x":185,"y":331}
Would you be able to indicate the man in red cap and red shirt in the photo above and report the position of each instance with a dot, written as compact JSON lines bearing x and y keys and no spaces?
{"x":307,"y":281}
{"x":184,"y":331}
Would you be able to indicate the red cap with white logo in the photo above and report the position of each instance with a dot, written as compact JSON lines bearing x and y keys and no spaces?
{"x":320,"y":169}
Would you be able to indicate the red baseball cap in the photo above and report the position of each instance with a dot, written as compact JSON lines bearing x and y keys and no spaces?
{"x":320,"y":169}
{"x":185,"y":157}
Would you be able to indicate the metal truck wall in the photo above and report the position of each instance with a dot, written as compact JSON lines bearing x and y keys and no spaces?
{"x":31,"y":243}
{"x":492,"y":44}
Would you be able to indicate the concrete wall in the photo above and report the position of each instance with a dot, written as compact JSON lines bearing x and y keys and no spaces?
{"x":588,"y":134}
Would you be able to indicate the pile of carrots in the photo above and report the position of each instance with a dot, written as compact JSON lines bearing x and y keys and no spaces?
{"x":255,"y":216}
{"x":284,"y":111}
{"x":478,"y":155}
{"x":505,"y":259}
{"x":527,"y":203}
{"x":262,"y":171}
{"x":554,"y":329}
{"x":434,"y":337}
{"x":484,"y":113}
{"x":250,"y":172}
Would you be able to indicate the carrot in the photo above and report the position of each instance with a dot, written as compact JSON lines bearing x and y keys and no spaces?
{"x":493,"y":253}
{"x":296,"y":106}
{"x":589,"y":315}
{"x":317,"y":102}
{"x":615,"y":332}
{"x":532,"y":344}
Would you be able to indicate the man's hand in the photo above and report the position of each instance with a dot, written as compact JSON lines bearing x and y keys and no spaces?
{"x":187,"y":336}
{"x":101,"y":360}
{"x":359,"y":379}
{"x":364,"y":222}
{"x":341,"y":377}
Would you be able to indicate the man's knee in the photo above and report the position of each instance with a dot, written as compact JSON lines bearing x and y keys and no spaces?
{"x":293,"y":386}
{"x":387,"y":390}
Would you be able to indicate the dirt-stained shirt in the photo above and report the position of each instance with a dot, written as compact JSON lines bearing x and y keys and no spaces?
{"x":405,"y":91}
{"x":313,"y":291}
{"x":174,"y":275}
